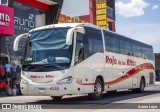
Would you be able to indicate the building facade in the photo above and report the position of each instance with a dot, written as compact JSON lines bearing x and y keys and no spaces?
{"x":27,"y":14}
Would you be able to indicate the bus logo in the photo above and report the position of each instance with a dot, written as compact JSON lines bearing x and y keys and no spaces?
{"x":37,"y":76}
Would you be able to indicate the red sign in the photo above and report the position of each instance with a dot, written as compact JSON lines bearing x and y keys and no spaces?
{"x":113,"y":61}
{"x":6,"y":21}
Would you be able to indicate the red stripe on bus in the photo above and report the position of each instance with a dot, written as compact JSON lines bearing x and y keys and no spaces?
{"x":88,"y":84}
{"x":130,"y":73}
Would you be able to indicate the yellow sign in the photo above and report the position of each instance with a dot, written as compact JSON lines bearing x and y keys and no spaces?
{"x":101,"y":13}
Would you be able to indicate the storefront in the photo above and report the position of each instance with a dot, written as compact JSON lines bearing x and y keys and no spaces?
{"x":28,"y":14}
{"x":6,"y":29}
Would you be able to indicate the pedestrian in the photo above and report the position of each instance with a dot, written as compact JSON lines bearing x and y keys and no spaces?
{"x":18,"y":70}
{"x":14,"y":73}
{"x":2,"y":71}
{"x":14,"y":90}
{"x":8,"y":72}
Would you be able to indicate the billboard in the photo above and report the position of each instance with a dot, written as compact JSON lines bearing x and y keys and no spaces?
{"x":68,"y":19}
{"x":101,"y":13}
{"x":24,"y":20}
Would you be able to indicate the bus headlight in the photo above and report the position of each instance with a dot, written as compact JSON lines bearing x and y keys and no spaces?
{"x":24,"y":81}
{"x":67,"y":80}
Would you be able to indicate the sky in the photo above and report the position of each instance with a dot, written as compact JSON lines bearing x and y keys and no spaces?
{"x":137,"y":19}
{"x":140,"y":20}
{"x":71,"y":9}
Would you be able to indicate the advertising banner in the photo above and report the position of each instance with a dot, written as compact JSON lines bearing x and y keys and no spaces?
{"x":24,"y":21}
{"x":101,"y":13}
{"x":68,"y":19}
{"x":6,"y":21}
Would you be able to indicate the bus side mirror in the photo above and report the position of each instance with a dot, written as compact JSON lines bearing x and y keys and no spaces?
{"x":16,"y":41}
{"x":71,"y":32}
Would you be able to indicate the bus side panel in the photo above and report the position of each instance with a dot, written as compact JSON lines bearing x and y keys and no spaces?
{"x":135,"y":77}
{"x":117,"y":71}
{"x":89,"y":80}
{"x":113,"y":74}
{"x":83,"y":73}
{"x":147,"y":73}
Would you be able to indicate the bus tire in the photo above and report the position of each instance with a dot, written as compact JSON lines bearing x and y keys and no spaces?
{"x":98,"y":89}
{"x":141,"y":88}
{"x":56,"y":97}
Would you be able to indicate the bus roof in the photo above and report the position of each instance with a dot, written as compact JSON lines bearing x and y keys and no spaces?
{"x":64,"y":25}
{"x":85,"y":24}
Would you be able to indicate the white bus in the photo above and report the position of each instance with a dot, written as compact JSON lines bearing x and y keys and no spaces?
{"x":76,"y":58}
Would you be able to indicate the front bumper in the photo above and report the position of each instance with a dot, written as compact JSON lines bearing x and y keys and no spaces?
{"x":46,"y":89}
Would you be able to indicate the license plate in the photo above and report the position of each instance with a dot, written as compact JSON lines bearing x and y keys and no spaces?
{"x":41,"y":88}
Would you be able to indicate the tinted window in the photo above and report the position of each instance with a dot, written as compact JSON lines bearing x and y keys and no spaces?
{"x":92,"y":41}
{"x":152,"y":54}
{"x":137,"y":50}
{"x":79,"y":53}
{"x":111,"y":43}
{"x":148,"y":53}
{"x":125,"y":48}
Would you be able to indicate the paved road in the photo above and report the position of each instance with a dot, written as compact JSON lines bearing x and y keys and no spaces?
{"x":122,"y":98}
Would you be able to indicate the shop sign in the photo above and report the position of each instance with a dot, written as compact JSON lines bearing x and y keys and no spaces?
{"x":24,"y":21}
{"x":68,"y":19}
{"x":6,"y":21}
{"x":101,"y":13}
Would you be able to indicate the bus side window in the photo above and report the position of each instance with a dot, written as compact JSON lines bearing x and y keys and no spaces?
{"x":125,"y":48}
{"x":95,"y":45}
{"x":79,"y":53}
{"x":152,"y":54}
{"x":148,"y":53}
{"x":137,"y":50}
{"x":111,"y":43}
{"x":92,"y":42}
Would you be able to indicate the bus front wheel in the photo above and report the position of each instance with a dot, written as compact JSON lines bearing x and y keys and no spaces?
{"x":98,"y":88}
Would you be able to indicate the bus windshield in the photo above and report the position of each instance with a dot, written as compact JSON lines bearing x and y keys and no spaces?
{"x":48,"y":47}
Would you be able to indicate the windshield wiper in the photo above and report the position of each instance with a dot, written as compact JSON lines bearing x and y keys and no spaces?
{"x":52,"y":64}
{"x":29,"y":66}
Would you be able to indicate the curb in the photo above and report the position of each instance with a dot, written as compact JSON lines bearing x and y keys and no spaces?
{"x":9,"y":96}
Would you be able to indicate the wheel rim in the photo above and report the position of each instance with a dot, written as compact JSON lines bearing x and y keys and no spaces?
{"x":98,"y":89}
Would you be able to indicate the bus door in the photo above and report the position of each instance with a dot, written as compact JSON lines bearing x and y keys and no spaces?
{"x":88,"y":57}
